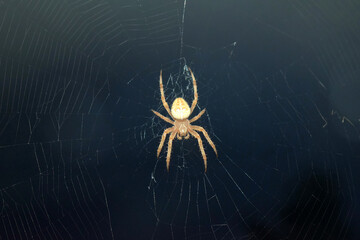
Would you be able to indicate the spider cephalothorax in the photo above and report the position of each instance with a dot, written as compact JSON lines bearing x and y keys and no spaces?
{"x":180,"y":112}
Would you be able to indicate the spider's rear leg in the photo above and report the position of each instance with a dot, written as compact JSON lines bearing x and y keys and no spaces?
{"x":195,"y":91}
{"x":166,"y":106}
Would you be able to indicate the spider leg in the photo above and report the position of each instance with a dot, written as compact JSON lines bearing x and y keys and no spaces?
{"x":201,"y":129}
{"x":197,"y":136}
{"x":195,"y":92}
{"x":171,"y":138}
{"x":197,"y":116}
{"x":166,"y":106}
{"x":178,"y":137}
{"x":166,"y":119}
{"x":163,"y":137}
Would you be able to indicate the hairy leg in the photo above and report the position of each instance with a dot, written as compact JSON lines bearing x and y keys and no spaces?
{"x":195,"y":92}
{"x":166,"y":119}
{"x":166,"y":106}
{"x":201,"y":129}
{"x":163,"y":137}
{"x":197,"y":116}
{"x":197,"y":136}
{"x":171,"y":138}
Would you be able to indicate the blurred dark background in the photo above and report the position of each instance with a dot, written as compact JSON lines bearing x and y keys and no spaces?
{"x":279,"y":80}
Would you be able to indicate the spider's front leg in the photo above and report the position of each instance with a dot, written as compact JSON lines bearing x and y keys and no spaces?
{"x":171,"y":138}
{"x":163,"y":137}
{"x":201,"y":129}
{"x":201,"y":146}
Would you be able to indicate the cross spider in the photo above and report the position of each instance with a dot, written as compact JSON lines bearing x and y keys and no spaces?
{"x":180,"y":112}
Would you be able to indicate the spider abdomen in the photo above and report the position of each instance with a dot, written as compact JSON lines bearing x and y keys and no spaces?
{"x":180,"y":109}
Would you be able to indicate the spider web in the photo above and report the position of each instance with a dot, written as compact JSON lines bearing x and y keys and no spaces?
{"x":78,"y":141}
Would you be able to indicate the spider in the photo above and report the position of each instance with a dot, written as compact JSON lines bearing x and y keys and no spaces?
{"x":180,"y":112}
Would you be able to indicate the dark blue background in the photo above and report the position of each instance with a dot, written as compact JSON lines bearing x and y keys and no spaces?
{"x":279,"y":80}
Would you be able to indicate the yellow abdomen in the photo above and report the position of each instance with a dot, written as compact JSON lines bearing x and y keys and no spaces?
{"x":180,"y":109}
